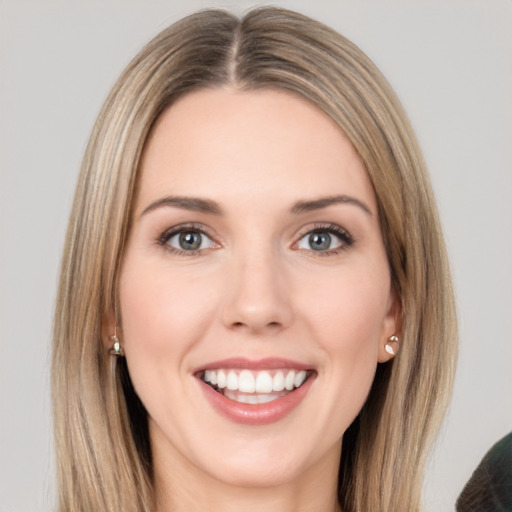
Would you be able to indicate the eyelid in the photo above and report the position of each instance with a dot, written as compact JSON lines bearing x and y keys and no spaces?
{"x":187,"y":226}
{"x":343,"y":234}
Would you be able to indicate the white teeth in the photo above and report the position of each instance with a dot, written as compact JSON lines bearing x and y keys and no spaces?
{"x":260,"y":382}
{"x":289,"y":380}
{"x":263,"y":399}
{"x":250,"y":399}
{"x":221,"y":379}
{"x":278,"y":382}
{"x":263,"y":383}
{"x":232,"y":381}
{"x":246,"y":382}
{"x":242,"y":398}
{"x":299,"y":378}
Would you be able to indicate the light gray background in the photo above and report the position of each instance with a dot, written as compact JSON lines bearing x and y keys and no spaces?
{"x":451,"y":64}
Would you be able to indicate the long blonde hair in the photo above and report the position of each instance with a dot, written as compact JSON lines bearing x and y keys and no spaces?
{"x":103,"y":454}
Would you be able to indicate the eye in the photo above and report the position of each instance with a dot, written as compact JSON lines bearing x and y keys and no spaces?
{"x":187,"y":240}
{"x":325,"y":239}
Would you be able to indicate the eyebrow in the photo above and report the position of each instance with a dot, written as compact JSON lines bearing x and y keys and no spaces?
{"x":324,"y":202}
{"x":194,"y":204}
{"x":197,"y":204}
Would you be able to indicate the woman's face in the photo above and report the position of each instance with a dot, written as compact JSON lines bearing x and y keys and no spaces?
{"x":255,"y":261}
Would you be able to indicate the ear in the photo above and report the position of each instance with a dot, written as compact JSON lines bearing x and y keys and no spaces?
{"x":391,"y":329}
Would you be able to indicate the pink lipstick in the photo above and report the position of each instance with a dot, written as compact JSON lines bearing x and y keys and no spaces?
{"x":255,"y":392}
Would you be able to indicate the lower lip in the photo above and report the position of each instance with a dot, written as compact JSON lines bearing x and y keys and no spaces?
{"x":256,"y":414}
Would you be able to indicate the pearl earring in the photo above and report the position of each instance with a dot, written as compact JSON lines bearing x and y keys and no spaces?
{"x":115,"y":349}
{"x":389,"y":349}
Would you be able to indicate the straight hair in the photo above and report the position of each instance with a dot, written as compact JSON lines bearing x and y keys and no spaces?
{"x":103,"y":452}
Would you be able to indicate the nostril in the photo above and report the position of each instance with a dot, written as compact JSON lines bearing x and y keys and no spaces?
{"x":241,"y":325}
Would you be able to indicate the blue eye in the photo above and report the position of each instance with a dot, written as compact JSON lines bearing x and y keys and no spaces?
{"x":325,"y":239}
{"x":188,"y":240}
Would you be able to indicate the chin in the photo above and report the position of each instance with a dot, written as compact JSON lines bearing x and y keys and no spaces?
{"x":256,"y":475}
{"x":261,"y":464}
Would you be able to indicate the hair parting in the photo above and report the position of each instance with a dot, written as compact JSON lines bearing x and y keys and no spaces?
{"x":103,"y":451}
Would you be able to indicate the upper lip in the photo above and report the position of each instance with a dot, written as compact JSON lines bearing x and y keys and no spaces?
{"x":268,"y":363}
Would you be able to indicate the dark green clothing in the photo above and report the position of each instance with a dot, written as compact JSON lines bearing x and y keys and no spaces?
{"x":490,"y":487}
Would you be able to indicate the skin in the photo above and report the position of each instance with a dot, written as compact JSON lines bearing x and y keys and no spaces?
{"x":255,"y":289}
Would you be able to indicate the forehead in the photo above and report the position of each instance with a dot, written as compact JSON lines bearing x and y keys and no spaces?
{"x":264,"y":143}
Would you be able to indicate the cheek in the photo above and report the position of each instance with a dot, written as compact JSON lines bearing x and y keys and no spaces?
{"x":162,"y":313}
{"x":348,"y":311}
{"x":348,"y":329}
{"x":345,"y":315}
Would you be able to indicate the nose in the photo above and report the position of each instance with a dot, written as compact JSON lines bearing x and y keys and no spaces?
{"x":257,"y":297}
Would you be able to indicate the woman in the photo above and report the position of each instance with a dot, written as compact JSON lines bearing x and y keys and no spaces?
{"x":253,"y":223}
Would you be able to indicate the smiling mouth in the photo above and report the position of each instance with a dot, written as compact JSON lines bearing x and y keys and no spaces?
{"x":254,"y":387}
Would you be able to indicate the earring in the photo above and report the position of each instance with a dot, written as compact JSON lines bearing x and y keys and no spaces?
{"x":389,"y":349}
{"x":115,"y":349}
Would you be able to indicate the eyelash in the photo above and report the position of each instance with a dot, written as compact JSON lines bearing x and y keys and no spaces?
{"x":164,"y":238}
{"x":342,"y":234}
{"x":346,"y":239}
